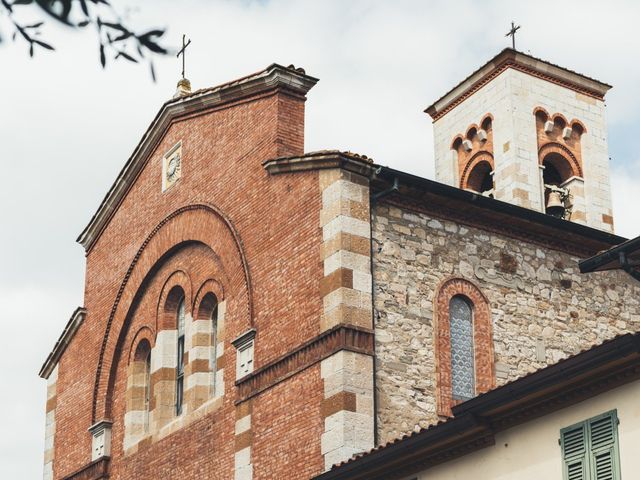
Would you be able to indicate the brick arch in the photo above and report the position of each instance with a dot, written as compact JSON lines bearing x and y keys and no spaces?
{"x":541,"y":113}
{"x":481,"y":156}
{"x":553,"y":147}
{"x":575,"y":122}
{"x":563,"y":120}
{"x":200,"y":223}
{"x":482,"y":340}
{"x":144,"y":333}
{"x":471,"y":128}
{"x":210,"y":286}
{"x":176,"y":286}
{"x":487,"y":116}
{"x":457,"y":140}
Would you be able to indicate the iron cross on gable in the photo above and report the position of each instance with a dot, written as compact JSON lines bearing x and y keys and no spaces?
{"x":183,"y":51}
{"x":512,"y":34}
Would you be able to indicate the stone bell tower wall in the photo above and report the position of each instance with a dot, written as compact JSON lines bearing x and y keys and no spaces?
{"x":511,"y":98}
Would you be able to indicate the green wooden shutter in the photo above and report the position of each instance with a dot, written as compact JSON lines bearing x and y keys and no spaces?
{"x":603,"y":442}
{"x":573,"y":441}
{"x":590,"y":449}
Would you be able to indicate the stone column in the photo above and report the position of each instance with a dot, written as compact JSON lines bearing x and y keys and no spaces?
{"x":163,"y":379}
{"x":50,"y":427}
{"x":347,"y":407}
{"x":200,"y":378}
{"x":243,"y":468}
{"x":575,"y":185}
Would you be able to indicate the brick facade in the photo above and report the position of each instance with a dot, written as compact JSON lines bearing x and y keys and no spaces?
{"x":342,"y":297}
{"x":214,"y":231}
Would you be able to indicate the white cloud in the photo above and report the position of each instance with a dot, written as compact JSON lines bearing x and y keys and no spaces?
{"x":625,"y":192}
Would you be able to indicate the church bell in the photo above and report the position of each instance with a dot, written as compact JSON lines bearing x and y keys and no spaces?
{"x":555,"y":205}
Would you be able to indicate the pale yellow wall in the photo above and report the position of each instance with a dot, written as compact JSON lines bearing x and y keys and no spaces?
{"x":531,"y":452}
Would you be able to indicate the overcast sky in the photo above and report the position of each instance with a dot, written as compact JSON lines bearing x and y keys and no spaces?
{"x":67,"y":126}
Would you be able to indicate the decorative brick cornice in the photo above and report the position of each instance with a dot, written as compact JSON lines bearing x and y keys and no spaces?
{"x":96,"y":470}
{"x":321,"y":160}
{"x":495,"y":224}
{"x":275,"y":78}
{"x":510,"y":58}
{"x":341,"y":337}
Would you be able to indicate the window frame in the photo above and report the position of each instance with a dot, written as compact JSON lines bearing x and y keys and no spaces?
{"x":484,"y":361}
{"x":587,"y":454}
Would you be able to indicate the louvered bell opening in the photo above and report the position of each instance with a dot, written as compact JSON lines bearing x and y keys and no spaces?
{"x":604,"y":468}
{"x":576,"y":470}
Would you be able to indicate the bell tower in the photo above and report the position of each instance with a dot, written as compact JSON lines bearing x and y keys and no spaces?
{"x":527,"y":132}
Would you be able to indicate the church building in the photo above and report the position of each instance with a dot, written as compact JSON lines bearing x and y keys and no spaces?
{"x":252,"y":311}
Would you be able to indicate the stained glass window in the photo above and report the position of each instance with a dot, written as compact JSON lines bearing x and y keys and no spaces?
{"x":462,"y":365}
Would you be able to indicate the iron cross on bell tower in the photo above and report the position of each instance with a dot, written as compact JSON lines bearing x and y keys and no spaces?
{"x":184,"y":85}
{"x":512,"y":33}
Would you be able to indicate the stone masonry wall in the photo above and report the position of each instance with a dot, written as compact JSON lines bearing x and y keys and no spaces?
{"x":542,"y":308}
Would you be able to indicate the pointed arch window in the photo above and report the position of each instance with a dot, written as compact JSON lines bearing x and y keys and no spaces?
{"x":180,"y":357}
{"x":462,"y":364}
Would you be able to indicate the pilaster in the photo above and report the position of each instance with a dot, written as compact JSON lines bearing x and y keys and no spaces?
{"x":50,"y":426}
{"x":347,"y":407}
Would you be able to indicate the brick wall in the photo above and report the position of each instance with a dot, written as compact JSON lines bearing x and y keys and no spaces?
{"x":259,"y":237}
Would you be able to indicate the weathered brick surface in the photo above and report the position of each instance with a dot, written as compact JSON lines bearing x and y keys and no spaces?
{"x":542,"y":308}
{"x":277,"y":221}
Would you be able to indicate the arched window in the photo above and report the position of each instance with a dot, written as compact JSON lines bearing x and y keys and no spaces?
{"x":462,"y":364}
{"x":480,"y":179}
{"x":464,"y":344}
{"x":147,"y":390}
{"x":557,"y":169}
{"x":138,"y":394}
{"x":209,"y":311}
{"x":180,"y":357}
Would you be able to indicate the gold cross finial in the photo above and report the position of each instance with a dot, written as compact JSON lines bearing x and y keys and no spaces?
{"x":183,"y":51}
{"x":512,"y":34}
